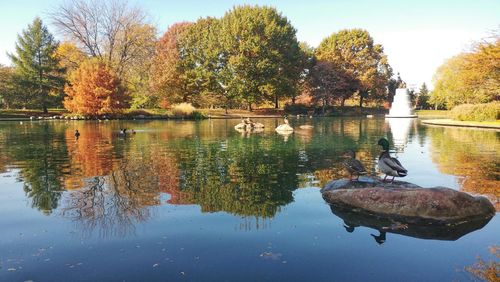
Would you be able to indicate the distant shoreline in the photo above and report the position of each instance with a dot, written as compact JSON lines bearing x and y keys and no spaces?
{"x":147,"y":114}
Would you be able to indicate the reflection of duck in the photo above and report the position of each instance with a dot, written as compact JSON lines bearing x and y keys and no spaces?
{"x":389,"y":165}
{"x":77,"y":134}
{"x":284,"y":128}
{"x":349,"y":226}
{"x":353,"y":166}
{"x":380,"y":239}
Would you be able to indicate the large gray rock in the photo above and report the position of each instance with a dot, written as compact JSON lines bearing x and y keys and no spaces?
{"x":406,"y":202}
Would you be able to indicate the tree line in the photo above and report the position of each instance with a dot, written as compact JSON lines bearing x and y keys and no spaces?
{"x":471,"y":77}
{"x":111,"y":59}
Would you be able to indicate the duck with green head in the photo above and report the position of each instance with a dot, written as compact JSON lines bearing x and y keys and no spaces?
{"x":388,"y":165}
{"x":353,"y":166}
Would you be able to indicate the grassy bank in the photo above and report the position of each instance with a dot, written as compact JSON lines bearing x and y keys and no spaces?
{"x":433,"y":113}
{"x":26,"y":114}
{"x":450,"y":122}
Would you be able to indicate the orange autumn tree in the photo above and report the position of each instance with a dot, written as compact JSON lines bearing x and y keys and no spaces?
{"x":94,"y":90}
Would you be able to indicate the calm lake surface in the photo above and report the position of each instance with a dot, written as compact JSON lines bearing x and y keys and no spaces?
{"x":198,"y":201}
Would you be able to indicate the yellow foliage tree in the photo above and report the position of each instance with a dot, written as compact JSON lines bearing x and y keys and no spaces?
{"x":69,"y":56}
{"x":469,"y":78}
{"x":94,"y":90}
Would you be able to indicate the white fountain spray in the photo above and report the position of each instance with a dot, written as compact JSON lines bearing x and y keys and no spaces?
{"x":401,"y":106}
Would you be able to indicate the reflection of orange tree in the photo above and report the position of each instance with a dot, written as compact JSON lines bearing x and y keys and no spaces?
{"x":336,"y":170}
{"x":112,"y":204}
{"x":487,"y":270}
{"x":91,"y":155}
{"x":473,"y":154}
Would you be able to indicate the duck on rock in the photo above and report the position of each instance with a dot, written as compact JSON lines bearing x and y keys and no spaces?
{"x":388,"y":165}
{"x":353,"y":166}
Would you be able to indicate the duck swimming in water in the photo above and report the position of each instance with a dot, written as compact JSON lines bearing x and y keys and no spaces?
{"x":388,"y":165}
{"x":77,"y":134}
{"x":353,"y":166}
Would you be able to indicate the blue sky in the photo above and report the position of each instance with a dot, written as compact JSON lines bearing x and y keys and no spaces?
{"x":417,"y":35}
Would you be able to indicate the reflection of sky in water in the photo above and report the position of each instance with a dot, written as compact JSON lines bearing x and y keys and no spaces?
{"x":416,"y":157}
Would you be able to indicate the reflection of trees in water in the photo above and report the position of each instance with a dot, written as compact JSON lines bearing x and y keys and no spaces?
{"x":205,"y":163}
{"x":4,"y":159}
{"x":487,"y":270}
{"x":335,"y":138}
{"x":473,"y":154}
{"x":90,"y":155}
{"x":101,"y":206}
{"x":43,"y":162}
{"x":111,"y":205}
{"x":245,"y":176}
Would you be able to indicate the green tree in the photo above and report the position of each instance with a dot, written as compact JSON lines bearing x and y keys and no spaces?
{"x":329,"y":83}
{"x":261,"y":55}
{"x":201,"y":61}
{"x":423,"y":97}
{"x":355,"y":52}
{"x":36,"y":67}
{"x":6,"y":79}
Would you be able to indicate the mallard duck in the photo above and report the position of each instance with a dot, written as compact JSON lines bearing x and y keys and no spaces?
{"x":388,"y":165}
{"x":353,"y":166}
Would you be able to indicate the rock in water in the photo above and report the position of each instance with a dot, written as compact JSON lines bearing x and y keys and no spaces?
{"x":406,"y":202}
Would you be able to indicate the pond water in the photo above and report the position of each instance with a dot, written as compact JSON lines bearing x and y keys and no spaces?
{"x":198,"y":201}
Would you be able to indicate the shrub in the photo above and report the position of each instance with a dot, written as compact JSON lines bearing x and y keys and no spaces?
{"x":296,"y":109}
{"x":93,"y":90}
{"x":198,"y":115}
{"x":183,"y":110}
{"x":476,"y":112}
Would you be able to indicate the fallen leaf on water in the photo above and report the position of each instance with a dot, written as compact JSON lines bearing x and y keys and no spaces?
{"x":156,"y":264}
{"x":270,"y":255}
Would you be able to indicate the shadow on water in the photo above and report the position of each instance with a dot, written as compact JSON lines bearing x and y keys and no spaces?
{"x":354,"y":218}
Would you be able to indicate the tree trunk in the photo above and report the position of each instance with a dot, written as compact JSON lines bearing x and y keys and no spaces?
{"x":249,"y":106}
{"x":276,"y":105}
{"x":361,"y":101}
{"x":342,"y":102}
